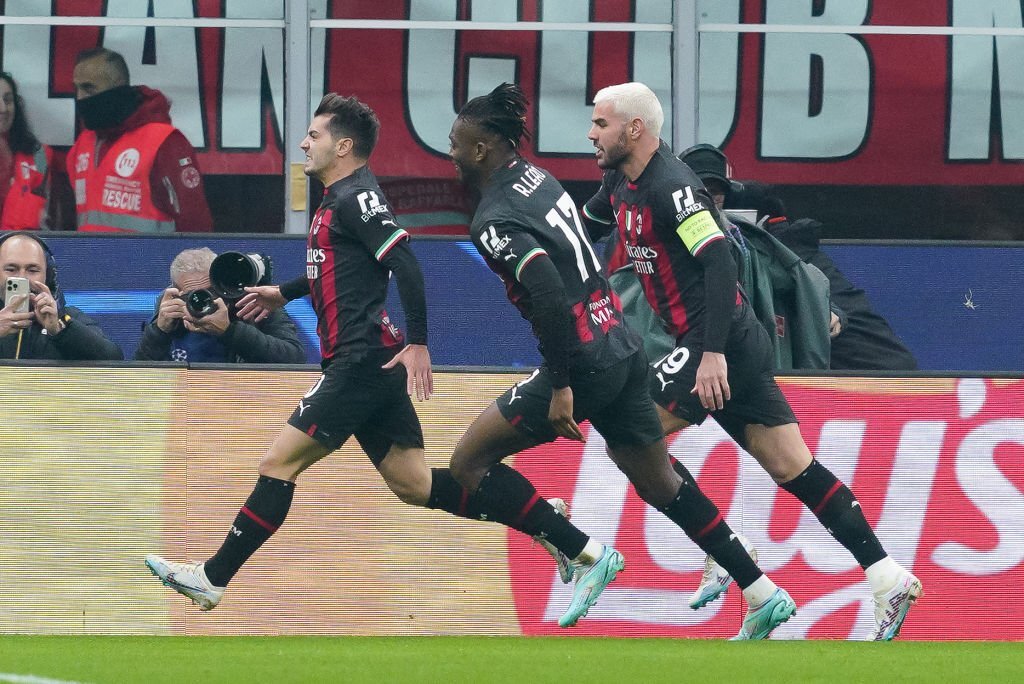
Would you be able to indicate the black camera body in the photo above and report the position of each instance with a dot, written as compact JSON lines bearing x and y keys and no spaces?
{"x":230,"y":274}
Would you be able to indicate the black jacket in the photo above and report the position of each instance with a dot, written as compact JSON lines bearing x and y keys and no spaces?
{"x":81,"y":340}
{"x":866,"y":341}
{"x":272,"y":340}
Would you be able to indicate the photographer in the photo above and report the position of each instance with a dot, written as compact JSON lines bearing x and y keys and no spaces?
{"x":192,"y":323}
{"x":48,"y":329}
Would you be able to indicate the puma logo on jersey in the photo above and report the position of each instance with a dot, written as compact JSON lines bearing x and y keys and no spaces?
{"x":664,"y":383}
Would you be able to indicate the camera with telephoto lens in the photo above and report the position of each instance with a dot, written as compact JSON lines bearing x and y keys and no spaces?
{"x":200,"y":302}
{"x":232,"y":272}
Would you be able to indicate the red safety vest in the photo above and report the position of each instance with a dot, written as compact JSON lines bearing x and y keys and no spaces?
{"x":113,"y":194}
{"x":26,"y":197}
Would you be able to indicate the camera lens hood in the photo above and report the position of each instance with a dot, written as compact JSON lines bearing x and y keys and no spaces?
{"x":232,"y":272}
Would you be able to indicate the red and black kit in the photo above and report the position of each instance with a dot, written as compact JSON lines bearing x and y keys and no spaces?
{"x":529,"y":232}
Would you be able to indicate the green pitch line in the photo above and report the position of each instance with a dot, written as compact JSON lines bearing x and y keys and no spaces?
{"x":452,"y":660}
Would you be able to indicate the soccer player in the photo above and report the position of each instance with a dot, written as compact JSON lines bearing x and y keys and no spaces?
{"x":722,"y":363}
{"x":369,"y":371}
{"x":528,"y":230}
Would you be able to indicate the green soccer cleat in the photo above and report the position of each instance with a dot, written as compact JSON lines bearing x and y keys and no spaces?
{"x":590,"y":582}
{"x":760,"y":621}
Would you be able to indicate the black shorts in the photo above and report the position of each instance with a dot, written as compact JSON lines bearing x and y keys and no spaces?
{"x":616,"y":401}
{"x":361,"y":399}
{"x":756,"y":397}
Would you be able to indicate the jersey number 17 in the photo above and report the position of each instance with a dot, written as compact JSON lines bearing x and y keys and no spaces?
{"x":559,"y":217}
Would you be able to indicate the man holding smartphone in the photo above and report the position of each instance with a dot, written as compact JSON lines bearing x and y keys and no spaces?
{"x":34,"y":324}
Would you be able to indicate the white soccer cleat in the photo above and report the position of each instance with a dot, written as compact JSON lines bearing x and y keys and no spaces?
{"x":565,"y":569}
{"x":891,"y":607}
{"x":715,"y":580}
{"x":188,"y":579}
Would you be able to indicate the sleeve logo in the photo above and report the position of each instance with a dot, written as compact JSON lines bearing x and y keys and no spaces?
{"x":494,"y":244}
{"x":685,"y":203}
{"x":370,"y":205}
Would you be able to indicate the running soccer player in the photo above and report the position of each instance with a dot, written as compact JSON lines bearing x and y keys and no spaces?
{"x":528,"y":231}
{"x":369,"y":371}
{"x":722,"y":363}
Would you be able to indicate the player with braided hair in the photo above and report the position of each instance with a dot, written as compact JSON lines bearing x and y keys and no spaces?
{"x":528,"y":231}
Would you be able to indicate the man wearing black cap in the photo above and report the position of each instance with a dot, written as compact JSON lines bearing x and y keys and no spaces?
{"x":712,"y":167}
{"x":861,"y":339}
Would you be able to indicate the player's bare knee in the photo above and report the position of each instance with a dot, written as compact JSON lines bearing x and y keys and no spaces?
{"x":655,"y":491}
{"x":272,"y":465}
{"x":459,"y":469}
{"x":407,"y":475}
{"x":409,"y":490}
{"x":780,"y":450}
{"x":466,"y":471}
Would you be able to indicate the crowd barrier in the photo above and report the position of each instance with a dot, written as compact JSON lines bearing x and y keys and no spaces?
{"x":956,"y":305}
{"x":103,"y":465}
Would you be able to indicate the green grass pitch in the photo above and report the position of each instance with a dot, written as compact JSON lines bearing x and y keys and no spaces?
{"x":452,"y":660}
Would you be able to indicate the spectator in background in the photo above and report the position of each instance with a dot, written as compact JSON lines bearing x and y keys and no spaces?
{"x":25,"y":165}
{"x":712,"y":167}
{"x":131,"y":170}
{"x":174,"y":334}
{"x":789,"y":296}
{"x":50,"y":330}
{"x":861,"y":339}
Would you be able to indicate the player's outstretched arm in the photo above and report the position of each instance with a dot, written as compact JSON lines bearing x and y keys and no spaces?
{"x":258,"y":302}
{"x":712,"y":386}
{"x":401,"y":261}
{"x":553,"y":322}
{"x":560,"y":414}
{"x":416,"y":359}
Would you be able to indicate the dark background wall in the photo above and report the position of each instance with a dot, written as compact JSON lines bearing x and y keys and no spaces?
{"x":956,"y":305}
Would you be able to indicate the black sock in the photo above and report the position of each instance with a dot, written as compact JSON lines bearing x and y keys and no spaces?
{"x":835,"y":506}
{"x":700,"y":519}
{"x":446,"y":494}
{"x":264,"y":511}
{"x":682,"y":472}
{"x":505,"y":496}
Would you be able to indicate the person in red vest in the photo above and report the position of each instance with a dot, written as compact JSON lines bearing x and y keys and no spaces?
{"x":24,"y":164}
{"x":130,"y":169}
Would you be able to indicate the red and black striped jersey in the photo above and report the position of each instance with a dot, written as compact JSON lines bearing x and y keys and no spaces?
{"x":524,"y":214}
{"x":665,"y":220}
{"x":351,"y":233}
